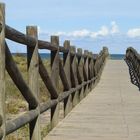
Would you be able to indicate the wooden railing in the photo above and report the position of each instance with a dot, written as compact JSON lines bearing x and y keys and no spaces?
{"x":79,"y":74}
{"x":133,"y":59}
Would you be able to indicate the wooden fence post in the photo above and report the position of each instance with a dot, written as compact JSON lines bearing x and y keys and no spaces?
{"x":2,"y":68}
{"x":74,"y":80}
{"x":66,"y":62}
{"x":33,"y":70}
{"x":96,"y":69}
{"x":86,"y":71}
{"x":55,"y":79}
{"x":80,"y":74}
{"x":90,"y":67}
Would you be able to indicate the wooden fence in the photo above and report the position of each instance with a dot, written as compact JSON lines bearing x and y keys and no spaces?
{"x":133,"y":59}
{"x":79,"y":74}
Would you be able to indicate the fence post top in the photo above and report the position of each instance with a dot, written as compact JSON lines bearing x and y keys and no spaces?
{"x":86,"y":52}
{"x":90,"y":54}
{"x":79,"y":51}
{"x":73,"y":49}
{"x":32,"y":30}
{"x":31,"y":26}
{"x":55,"y":40}
{"x":2,"y":5}
{"x":67,"y":44}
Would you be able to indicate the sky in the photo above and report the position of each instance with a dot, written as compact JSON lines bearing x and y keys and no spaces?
{"x":88,"y":24}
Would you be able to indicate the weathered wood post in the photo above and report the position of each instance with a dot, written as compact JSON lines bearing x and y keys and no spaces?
{"x":33,"y":72}
{"x":74,"y":80}
{"x":80,"y":74}
{"x":55,"y":79}
{"x":92,"y":69}
{"x":98,"y":66}
{"x":66,"y":62}
{"x":86,"y":71}
{"x":2,"y":67}
{"x":90,"y":73}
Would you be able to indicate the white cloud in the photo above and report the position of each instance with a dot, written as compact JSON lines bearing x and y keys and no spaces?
{"x":60,"y":33}
{"x":76,"y":33}
{"x":115,"y":28}
{"x":135,"y":32}
{"x":79,"y":33}
{"x":103,"y":31}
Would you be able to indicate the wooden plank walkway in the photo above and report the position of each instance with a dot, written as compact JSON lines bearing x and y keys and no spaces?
{"x":110,"y":112}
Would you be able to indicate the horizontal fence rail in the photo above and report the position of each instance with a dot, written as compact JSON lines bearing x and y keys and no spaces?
{"x":133,"y":59}
{"x":78,"y":71}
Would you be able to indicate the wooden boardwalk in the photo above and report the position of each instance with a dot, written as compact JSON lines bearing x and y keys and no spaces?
{"x":110,"y":112}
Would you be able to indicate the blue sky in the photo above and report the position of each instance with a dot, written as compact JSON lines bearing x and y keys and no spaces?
{"x":90,"y":24}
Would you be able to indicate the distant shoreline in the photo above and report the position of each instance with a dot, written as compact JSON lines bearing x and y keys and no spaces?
{"x":47,"y":55}
{"x":117,"y":56}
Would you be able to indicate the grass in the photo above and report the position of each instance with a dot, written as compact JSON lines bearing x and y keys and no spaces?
{"x":16,"y":104}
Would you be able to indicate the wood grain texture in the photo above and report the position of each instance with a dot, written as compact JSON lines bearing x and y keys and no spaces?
{"x":66,"y":61}
{"x":55,"y":79}
{"x":2,"y":68}
{"x":74,"y":78}
{"x":80,"y":74}
{"x":33,"y":74}
{"x":86,"y":71}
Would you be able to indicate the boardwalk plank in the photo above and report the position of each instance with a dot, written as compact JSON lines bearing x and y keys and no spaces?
{"x":109,"y":112}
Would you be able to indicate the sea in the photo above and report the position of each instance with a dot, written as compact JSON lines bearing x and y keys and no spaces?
{"x":47,"y":55}
{"x":117,"y":56}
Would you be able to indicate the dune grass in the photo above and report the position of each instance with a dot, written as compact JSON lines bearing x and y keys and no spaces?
{"x":16,"y":104}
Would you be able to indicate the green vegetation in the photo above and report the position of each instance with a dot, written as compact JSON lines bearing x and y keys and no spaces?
{"x":16,"y":104}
